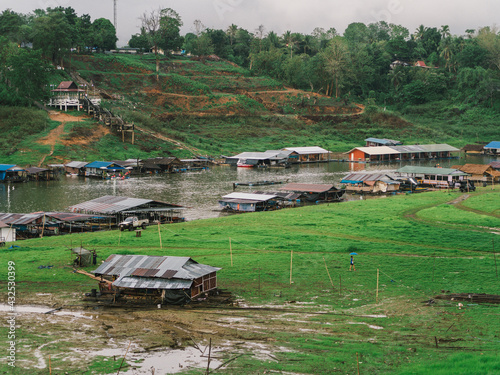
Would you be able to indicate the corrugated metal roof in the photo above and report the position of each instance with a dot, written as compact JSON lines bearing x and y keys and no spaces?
{"x":249,"y":196}
{"x":76,"y":164}
{"x":110,"y":204}
{"x":495,"y":164}
{"x":431,"y":170}
{"x":307,"y":150}
{"x":151,"y":283}
{"x":153,"y":266}
{"x":355,"y":178}
{"x":439,"y":148}
{"x":20,"y":219}
{"x":494,"y":144}
{"x":409,"y":149}
{"x":313,"y":188}
{"x":3,"y":225}
{"x":35,"y":170}
{"x":67,"y":216}
{"x":257,"y":155}
{"x":383,"y":141}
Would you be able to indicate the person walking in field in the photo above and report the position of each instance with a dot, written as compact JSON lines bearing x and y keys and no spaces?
{"x":352,"y":264}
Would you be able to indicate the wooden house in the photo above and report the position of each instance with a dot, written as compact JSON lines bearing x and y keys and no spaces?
{"x":315,"y":192}
{"x":434,"y":177}
{"x":161,"y":279}
{"x":480,"y":172}
{"x":12,"y":173}
{"x":474,"y":148}
{"x":259,"y":159}
{"x":247,"y":202}
{"x":7,"y":233}
{"x":492,"y":148}
{"x":312,"y":154}
{"x":40,"y":174}
{"x":68,"y":95}
{"x":75,"y":168}
{"x":163,"y":165}
{"x":370,"y":183}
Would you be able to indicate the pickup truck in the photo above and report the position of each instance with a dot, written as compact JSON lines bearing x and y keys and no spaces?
{"x":132,"y":222}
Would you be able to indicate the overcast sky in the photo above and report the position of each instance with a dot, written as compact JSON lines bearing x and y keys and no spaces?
{"x":281,"y":15}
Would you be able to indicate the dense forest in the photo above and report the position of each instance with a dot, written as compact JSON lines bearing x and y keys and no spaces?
{"x":377,"y":64}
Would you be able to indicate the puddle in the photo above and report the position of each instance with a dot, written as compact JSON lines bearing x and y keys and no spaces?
{"x":27,"y":309}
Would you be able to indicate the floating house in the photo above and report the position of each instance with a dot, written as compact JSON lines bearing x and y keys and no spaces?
{"x":161,"y":279}
{"x":259,"y":159}
{"x":163,"y":165}
{"x":7,"y":233}
{"x":123,"y":207}
{"x":39,"y":174}
{"x":307,"y":154}
{"x":480,"y":172}
{"x":315,"y":192}
{"x":68,"y":95}
{"x":434,"y":177}
{"x":374,"y":142}
{"x":53,"y":223}
{"x":105,"y":170}
{"x":370,"y":183}
{"x":12,"y":173}
{"x":75,"y":168}
{"x":248,"y":202}
{"x":474,"y":148}
{"x":492,"y":148}
{"x":397,"y":153}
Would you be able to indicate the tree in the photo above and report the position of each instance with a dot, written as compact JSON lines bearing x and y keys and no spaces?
{"x":220,"y":42}
{"x":104,"y":34}
{"x":231,"y":33}
{"x":489,"y":39}
{"x":10,"y":24}
{"x":29,"y":74}
{"x":170,"y":25}
{"x":336,"y":63}
{"x":139,"y":41}
{"x":151,"y":23}
{"x":52,"y":35}
{"x":84,"y":32}
{"x":202,"y":46}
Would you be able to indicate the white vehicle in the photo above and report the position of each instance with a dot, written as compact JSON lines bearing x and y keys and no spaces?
{"x":133,"y":222}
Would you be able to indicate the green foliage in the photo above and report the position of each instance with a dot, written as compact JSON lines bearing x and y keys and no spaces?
{"x":180,"y":84}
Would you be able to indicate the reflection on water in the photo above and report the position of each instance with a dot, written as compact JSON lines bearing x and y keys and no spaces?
{"x":199,"y":191}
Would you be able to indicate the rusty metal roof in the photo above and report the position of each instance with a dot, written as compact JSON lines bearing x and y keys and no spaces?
{"x":20,"y":219}
{"x":110,"y":204}
{"x":355,"y":178}
{"x":313,"y":188}
{"x":35,"y":170}
{"x":151,"y":283}
{"x":155,"y":267}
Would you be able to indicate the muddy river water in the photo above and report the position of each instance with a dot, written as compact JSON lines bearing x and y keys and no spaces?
{"x":199,"y":191}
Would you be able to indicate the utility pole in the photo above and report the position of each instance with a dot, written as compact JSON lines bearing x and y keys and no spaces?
{"x":114,"y":10}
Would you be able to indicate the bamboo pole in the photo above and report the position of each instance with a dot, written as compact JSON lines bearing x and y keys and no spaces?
{"x":121,"y":364}
{"x":328,"y":272}
{"x":159,"y":235}
{"x":291,"y":266}
{"x":231,"y":251}
{"x":209,"y":352}
{"x":357,"y":360}
{"x":50,"y":366}
{"x":377,"y":285}
{"x":43,"y":225}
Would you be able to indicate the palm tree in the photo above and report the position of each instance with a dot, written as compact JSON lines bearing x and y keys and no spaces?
{"x":446,"y":52}
{"x":419,"y":32}
{"x":445,"y":31}
{"x":231,"y":33}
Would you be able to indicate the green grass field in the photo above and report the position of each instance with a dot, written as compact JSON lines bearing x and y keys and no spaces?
{"x":419,"y":245}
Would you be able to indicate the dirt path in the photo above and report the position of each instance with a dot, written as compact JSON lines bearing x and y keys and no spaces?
{"x":181,"y":145}
{"x":56,"y":133}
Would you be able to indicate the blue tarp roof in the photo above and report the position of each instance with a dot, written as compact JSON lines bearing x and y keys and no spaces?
{"x":104,"y":164}
{"x":494,"y":144}
{"x":6,"y":167}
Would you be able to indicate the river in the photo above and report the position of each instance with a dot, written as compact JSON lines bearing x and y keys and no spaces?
{"x":198,"y":191}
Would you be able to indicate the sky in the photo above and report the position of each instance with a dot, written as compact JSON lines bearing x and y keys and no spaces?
{"x":281,"y":15}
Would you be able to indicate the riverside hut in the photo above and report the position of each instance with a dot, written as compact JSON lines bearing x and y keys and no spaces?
{"x":161,"y":279}
{"x":105,"y":170}
{"x":397,"y":153}
{"x":480,"y":172}
{"x":7,"y":233}
{"x":370,"y":183}
{"x":123,"y":207}
{"x":247,"y":202}
{"x":312,"y":154}
{"x":315,"y":192}
{"x":12,"y":173}
{"x":75,"y":168}
{"x":434,"y":177}
{"x":492,"y":148}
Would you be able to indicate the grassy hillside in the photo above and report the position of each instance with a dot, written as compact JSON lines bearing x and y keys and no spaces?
{"x":317,"y":317}
{"x":219,"y":108}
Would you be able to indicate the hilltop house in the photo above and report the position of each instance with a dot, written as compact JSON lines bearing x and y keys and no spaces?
{"x":68,"y":95}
